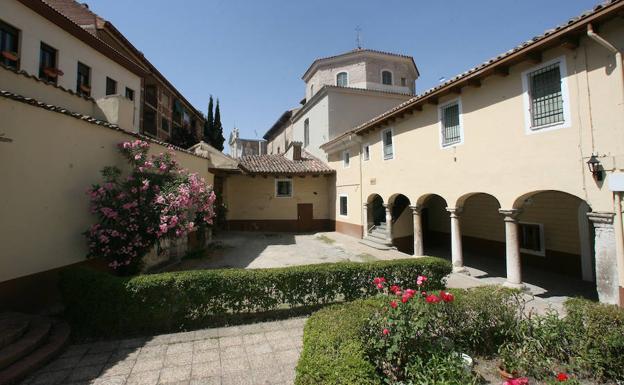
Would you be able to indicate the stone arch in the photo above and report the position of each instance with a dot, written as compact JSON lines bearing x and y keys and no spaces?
{"x":376,"y":213}
{"x":461,"y":201}
{"x":402,"y":229}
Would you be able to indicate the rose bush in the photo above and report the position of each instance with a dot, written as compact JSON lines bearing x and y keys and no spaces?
{"x":156,"y":200}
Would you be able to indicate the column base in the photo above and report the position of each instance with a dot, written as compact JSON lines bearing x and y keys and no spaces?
{"x":460,"y":270}
{"x":518,"y":286}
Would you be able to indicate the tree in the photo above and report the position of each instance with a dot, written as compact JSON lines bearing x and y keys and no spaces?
{"x":217,"y":138}
{"x":184,"y":137}
{"x":209,"y":125}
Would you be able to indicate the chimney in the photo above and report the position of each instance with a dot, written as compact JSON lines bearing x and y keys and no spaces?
{"x":296,"y":150}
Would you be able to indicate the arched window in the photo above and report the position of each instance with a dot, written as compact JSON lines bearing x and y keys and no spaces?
{"x":386,"y":77}
{"x":312,"y":90}
{"x":342,"y":79}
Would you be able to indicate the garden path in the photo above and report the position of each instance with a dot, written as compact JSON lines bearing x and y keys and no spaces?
{"x":257,"y":354}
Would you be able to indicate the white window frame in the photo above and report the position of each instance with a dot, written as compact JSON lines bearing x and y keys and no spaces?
{"x":542,"y":251}
{"x":365,"y":146}
{"x":346,"y":159}
{"x":441,"y":123}
{"x":340,"y":211}
{"x":383,"y":145}
{"x":563,"y":72}
{"x":391,"y":76}
{"x":292,"y":187}
{"x":342,"y":72}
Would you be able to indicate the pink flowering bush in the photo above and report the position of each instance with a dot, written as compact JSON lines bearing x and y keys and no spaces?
{"x":156,"y":200}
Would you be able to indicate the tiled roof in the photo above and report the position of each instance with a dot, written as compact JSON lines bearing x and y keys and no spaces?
{"x":90,"y":119}
{"x":279,"y":164}
{"x":77,"y":12}
{"x":358,"y":51}
{"x":467,"y":75}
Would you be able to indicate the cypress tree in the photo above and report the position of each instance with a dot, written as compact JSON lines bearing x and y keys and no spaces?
{"x":218,"y":138}
{"x":209,"y":125}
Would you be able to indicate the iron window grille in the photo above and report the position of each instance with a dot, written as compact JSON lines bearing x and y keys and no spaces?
{"x":343,"y":206}
{"x":283,"y":188}
{"x":388,"y":150}
{"x":451,"y":126}
{"x":546,"y":96}
{"x":9,"y":45}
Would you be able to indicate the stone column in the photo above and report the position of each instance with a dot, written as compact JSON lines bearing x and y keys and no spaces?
{"x":418,"y":235}
{"x":457,"y":255}
{"x":605,"y":256}
{"x":364,"y":220}
{"x":512,"y":249}
{"x":388,"y":208}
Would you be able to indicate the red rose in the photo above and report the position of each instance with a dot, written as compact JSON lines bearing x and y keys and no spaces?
{"x":398,"y":293}
{"x":446,"y":297}
{"x":386,"y":332}
{"x":394,"y":288}
{"x":404,"y":299}
{"x":562,"y":377}
{"x":432,"y":298}
{"x":410,"y":292}
{"x":394,"y":304}
{"x":379,"y":286}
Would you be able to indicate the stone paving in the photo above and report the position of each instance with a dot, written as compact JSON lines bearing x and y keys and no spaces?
{"x":257,"y":354}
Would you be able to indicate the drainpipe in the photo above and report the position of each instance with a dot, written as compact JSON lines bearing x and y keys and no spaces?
{"x":617,"y":196}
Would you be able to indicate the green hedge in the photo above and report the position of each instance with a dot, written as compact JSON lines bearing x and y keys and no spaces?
{"x":101,"y":304}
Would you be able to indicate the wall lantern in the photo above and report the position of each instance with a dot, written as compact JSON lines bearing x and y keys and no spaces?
{"x":595,"y":168}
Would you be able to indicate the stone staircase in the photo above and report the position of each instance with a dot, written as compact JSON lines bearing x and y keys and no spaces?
{"x":27,"y":342}
{"x":376,"y":238}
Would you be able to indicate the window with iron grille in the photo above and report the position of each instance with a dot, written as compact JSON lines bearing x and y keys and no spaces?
{"x":366,"y":151}
{"x":451,"y":125}
{"x":283,"y":188}
{"x":129,"y":93}
{"x":386,"y":77}
{"x":346,"y":159}
{"x":9,"y":45}
{"x":342,"y":79}
{"x":344,"y":207}
{"x":388,"y":148}
{"x":83,"y":80}
{"x":545,"y":96}
{"x":532,"y":238}
{"x":306,"y":132}
{"x":111,"y":86}
{"x":47,"y":63}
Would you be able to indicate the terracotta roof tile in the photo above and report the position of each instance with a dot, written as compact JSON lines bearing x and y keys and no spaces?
{"x":279,"y":164}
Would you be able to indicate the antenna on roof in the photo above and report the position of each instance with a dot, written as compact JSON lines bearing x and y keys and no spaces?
{"x":358,"y":37}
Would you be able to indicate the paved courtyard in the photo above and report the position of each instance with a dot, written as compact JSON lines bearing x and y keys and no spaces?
{"x":257,"y":354}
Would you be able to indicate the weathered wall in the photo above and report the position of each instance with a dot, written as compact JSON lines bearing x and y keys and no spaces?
{"x":45,"y":172}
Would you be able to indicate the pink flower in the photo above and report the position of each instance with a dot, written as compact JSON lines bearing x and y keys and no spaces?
{"x":420,"y":280}
{"x":394,"y":304}
{"x":394,"y":288}
{"x":385,"y":332}
{"x":432,"y":298}
{"x":517,"y":381}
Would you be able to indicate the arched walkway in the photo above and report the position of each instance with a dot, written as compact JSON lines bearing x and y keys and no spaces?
{"x":376,"y":213}
{"x":402,"y":223}
{"x":436,"y":226}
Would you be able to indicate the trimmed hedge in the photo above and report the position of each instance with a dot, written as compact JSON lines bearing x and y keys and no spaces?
{"x":102,"y":304}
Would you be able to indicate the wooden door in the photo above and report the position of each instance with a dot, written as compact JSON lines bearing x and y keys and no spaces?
{"x":305,"y":221}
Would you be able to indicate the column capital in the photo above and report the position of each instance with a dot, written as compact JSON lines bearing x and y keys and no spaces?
{"x":365,"y":205}
{"x":455,"y":211}
{"x":416,"y":209}
{"x":511,"y":215}
{"x":387,"y":206}
{"x":601,"y":219}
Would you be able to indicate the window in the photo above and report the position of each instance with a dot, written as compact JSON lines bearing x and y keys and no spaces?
{"x":279,"y":150}
{"x":83,"y":82}
{"x":129,"y":93}
{"x":386,"y":78}
{"x":366,"y":152}
{"x":306,"y":132}
{"x":532,"y":238}
{"x":111,"y":86}
{"x":312,"y":90}
{"x":388,"y":146}
{"x":9,"y":45}
{"x":47,"y":63}
{"x":283,"y":188}
{"x":346,"y":159}
{"x":403,"y":82}
{"x":149,"y":121}
{"x":151,"y":96}
{"x":164,"y":125}
{"x":546,"y":100}
{"x":450,"y":122}
{"x":342,"y":79}
{"x":344,"y":210}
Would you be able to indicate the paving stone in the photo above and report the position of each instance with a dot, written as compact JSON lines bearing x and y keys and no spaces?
{"x":252,"y":328}
{"x":252,"y":339}
{"x":287,"y":356}
{"x":262,"y":361}
{"x":237,"y":379}
{"x":230,"y":341}
{"x":230,"y":331}
{"x":118,"y":368}
{"x":266,"y":376}
{"x":182,"y":337}
{"x":207,"y":333}
{"x":104,"y":346}
{"x":181,"y":347}
{"x":85,"y":373}
{"x":232,"y":353}
{"x":278,"y":335}
{"x":176,"y":373}
{"x":206,"y":381}
{"x":283,"y":344}
{"x":178,"y":359}
{"x":116,"y":380}
{"x":235,"y":365}
{"x":94,"y":359}
{"x":206,"y":356}
{"x":158,"y":340}
{"x":132,"y":343}
{"x":62,"y":363}
{"x":202,"y":345}
{"x":51,"y":378}
{"x":129,"y":354}
{"x":258,"y":349}
{"x":206,"y":369}
{"x":152,"y":351}
{"x":148,"y":365}
{"x":144,"y":378}
{"x":75,"y":350}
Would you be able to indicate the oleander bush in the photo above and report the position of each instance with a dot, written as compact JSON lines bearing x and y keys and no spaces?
{"x":101,"y":304}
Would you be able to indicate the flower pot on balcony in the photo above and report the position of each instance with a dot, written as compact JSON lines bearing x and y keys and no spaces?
{"x":85,"y":89}
{"x":10,"y":55}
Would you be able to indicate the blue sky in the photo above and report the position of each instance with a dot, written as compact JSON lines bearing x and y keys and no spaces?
{"x":251,"y":54}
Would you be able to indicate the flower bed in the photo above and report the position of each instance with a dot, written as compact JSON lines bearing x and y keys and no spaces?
{"x":103,"y":304}
{"x":426,"y":336}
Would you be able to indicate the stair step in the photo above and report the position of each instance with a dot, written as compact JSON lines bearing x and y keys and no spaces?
{"x":34,"y":337}
{"x":379,"y":235}
{"x":56,"y":342}
{"x":376,"y":245}
{"x":12,"y":327}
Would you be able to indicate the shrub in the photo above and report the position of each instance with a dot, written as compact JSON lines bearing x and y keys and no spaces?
{"x":103,"y":304}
